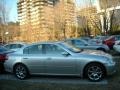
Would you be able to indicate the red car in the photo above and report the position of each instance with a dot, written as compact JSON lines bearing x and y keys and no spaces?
{"x":110,"y":41}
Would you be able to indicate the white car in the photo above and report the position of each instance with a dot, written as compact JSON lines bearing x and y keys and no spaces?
{"x":116,"y":47}
{"x":15,"y":46}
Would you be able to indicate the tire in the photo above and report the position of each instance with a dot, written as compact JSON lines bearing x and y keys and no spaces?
{"x":21,"y":72}
{"x":95,"y":72}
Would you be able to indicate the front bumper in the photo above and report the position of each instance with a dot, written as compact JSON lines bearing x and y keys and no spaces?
{"x":116,"y":48}
{"x":111,"y":68}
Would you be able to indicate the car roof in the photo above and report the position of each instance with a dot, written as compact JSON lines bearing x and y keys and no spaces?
{"x":46,"y":42}
{"x":23,"y":43}
{"x":73,"y":39}
{"x":76,"y":39}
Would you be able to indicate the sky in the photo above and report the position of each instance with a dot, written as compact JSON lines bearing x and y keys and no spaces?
{"x":12,"y":5}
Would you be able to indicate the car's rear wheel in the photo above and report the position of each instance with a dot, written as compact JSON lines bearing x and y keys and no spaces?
{"x":95,"y":72}
{"x":20,"y":71}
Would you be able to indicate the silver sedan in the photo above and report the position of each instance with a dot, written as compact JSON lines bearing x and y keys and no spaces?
{"x":59,"y":58}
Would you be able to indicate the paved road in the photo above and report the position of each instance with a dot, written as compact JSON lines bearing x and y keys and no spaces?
{"x":51,"y":79}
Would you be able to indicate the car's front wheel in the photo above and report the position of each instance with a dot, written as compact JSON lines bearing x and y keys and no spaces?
{"x":20,"y":71}
{"x":95,"y":72}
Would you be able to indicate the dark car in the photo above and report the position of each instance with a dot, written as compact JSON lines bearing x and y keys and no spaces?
{"x":3,"y":57}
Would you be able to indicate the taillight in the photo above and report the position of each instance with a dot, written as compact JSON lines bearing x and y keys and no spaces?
{"x":3,"y":57}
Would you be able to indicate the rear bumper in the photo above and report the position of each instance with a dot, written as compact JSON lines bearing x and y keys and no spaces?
{"x":7,"y":68}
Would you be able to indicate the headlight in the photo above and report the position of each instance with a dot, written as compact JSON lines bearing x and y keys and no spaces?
{"x":110,"y":60}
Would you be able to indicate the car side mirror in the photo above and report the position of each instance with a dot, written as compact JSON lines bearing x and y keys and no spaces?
{"x":65,"y":54}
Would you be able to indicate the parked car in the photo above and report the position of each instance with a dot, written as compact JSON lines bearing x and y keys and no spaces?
{"x":3,"y":57}
{"x":110,"y":41}
{"x":79,"y":43}
{"x":15,"y":46}
{"x":85,"y":38}
{"x":99,"y":39}
{"x":95,"y":41}
{"x":59,"y":58}
{"x":116,"y":47}
{"x":117,"y":37}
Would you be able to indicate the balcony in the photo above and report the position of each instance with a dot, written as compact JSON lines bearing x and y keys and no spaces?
{"x":44,"y":1}
{"x":20,"y":1}
{"x":19,"y":11}
{"x":36,"y":4}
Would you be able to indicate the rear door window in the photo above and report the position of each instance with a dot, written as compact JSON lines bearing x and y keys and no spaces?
{"x":53,"y":49}
{"x":34,"y":49}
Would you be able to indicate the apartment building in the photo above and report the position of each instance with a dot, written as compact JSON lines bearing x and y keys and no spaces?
{"x":38,"y":18}
{"x":35,"y":18}
{"x":64,"y":12}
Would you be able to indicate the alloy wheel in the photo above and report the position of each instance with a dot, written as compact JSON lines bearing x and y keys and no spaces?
{"x":21,"y":72}
{"x":95,"y":72}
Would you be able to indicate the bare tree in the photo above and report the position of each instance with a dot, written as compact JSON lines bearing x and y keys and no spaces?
{"x":107,"y":21}
{"x":60,"y":21}
{"x":4,"y":12}
{"x":14,"y":31}
{"x":82,"y":22}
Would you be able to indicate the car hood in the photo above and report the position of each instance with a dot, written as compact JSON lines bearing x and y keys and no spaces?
{"x":95,"y":52}
{"x":7,"y":52}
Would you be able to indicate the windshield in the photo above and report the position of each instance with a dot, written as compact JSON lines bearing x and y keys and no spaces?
{"x":70,"y":47}
{"x":2,"y":49}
